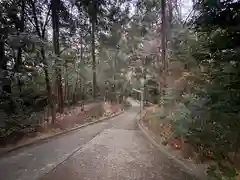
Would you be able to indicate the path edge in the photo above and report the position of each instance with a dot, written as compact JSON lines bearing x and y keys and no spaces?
{"x":50,"y":137}
{"x":150,"y":138}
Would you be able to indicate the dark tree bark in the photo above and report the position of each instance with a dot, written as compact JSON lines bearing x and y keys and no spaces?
{"x":169,"y":24}
{"x":6,"y":87}
{"x":55,"y":24}
{"x":41,"y":35}
{"x":20,"y":50}
{"x":163,"y":44}
{"x":145,"y":81}
{"x":49,"y":88}
{"x":94,"y":83}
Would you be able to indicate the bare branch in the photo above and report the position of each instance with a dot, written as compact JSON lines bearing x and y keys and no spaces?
{"x":35,"y":18}
{"x":47,"y":18}
{"x":31,"y":21}
{"x":63,"y":50}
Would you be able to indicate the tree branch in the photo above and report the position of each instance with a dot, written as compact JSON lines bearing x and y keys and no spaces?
{"x":47,"y":18}
{"x":63,"y":50}
{"x":35,"y":18}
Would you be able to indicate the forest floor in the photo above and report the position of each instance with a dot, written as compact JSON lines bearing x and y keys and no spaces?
{"x":71,"y":118}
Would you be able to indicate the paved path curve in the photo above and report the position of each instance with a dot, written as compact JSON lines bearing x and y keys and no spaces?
{"x":110,"y":150}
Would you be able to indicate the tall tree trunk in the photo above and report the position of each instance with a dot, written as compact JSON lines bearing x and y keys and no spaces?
{"x":19,"y":53}
{"x":170,"y":13}
{"x":74,"y":98}
{"x":18,"y":68}
{"x":65,"y":90}
{"x":81,"y":50}
{"x":41,"y":35}
{"x":163,"y":44}
{"x":49,"y":88}
{"x":114,"y":88}
{"x":5,"y":80}
{"x":145,"y":81}
{"x":6,"y":87}
{"x":65,"y":97}
{"x":169,"y":23}
{"x":55,"y":25}
{"x":80,"y":96}
{"x":3,"y":62}
{"x":94,"y":83}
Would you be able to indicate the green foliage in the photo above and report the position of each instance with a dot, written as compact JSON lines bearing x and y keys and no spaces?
{"x":182,"y":120}
{"x":225,"y":173}
{"x":214,"y":108}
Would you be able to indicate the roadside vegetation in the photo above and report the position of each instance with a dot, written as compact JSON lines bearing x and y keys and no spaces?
{"x":68,"y":61}
{"x":56,"y":64}
{"x":197,"y":79}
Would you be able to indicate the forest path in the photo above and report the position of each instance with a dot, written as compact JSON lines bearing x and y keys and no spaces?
{"x":113,"y":149}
